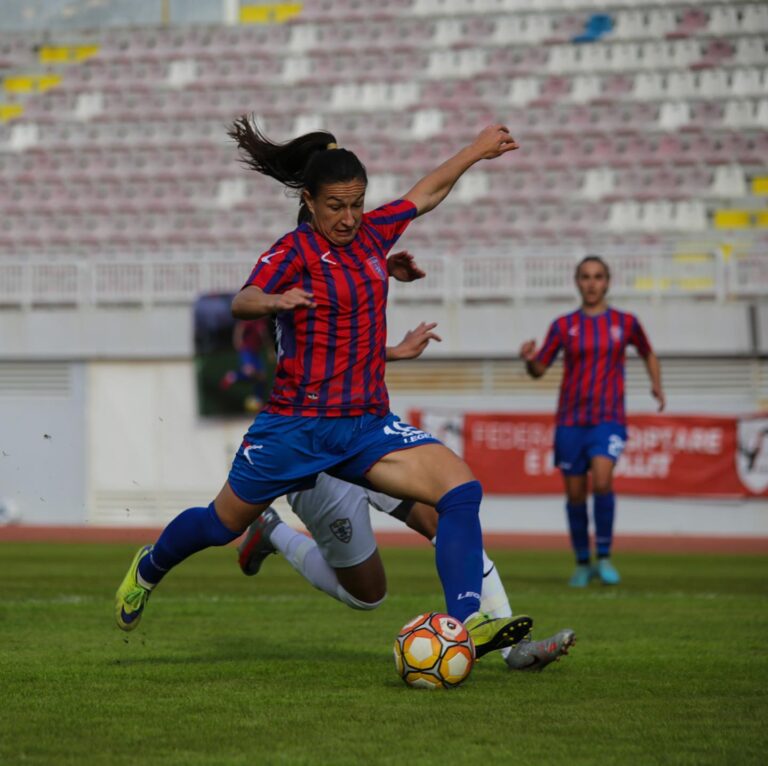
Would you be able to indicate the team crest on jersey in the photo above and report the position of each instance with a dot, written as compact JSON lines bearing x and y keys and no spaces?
{"x":342,"y":528}
{"x":616,"y":332}
{"x":375,"y":267}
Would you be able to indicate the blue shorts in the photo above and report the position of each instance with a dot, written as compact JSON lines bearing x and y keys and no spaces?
{"x":282,"y":453}
{"x":575,"y":446}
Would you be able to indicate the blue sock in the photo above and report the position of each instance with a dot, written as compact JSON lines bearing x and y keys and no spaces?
{"x":578,"y":524}
{"x":191,"y":531}
{"x":604,"y":510}
{"x":459,"y":549}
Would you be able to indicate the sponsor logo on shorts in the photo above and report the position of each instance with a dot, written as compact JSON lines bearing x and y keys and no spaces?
{"x":342,"y":529}
{"x":247,"y":448}
{"x":615,"y":446}
{"x":409,"y":434}
{"x":563,"y":466}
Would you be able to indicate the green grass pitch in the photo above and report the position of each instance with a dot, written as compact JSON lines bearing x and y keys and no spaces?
{"x":670,"y":667}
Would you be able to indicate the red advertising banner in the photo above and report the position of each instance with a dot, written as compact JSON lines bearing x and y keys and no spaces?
{"x":665,"y":455}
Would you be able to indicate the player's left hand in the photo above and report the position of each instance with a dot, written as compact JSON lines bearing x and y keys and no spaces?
{"x":494,"y":141}
{"x":658,"y":395}
{"x":415,"y":341}
{"x":403,"y":268}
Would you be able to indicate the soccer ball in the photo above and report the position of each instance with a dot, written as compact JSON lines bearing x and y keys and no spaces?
{"x":434,"y":651}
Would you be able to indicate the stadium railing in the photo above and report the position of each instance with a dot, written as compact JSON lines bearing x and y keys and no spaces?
{"x":477,"y":277}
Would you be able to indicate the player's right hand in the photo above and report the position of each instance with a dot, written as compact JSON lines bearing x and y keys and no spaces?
{"x":493,"y":141}
{"x":528,"y":350}
{"x":293,"y":299}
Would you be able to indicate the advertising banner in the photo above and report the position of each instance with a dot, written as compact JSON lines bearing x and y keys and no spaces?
{"x":665,"y":455}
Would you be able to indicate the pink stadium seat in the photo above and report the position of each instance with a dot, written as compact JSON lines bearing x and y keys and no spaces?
{"x":706,"y":114}
{"x":553,"y":89}
{"x":714,"y":53}
{"x":692,"y":21}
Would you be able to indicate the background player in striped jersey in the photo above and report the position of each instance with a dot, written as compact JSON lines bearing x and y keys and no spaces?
{"x":329,"y":410}
{"x":591,"y":420}
{"x":337,"y":515}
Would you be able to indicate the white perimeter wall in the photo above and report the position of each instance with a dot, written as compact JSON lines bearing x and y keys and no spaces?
{"x":150,"y":455}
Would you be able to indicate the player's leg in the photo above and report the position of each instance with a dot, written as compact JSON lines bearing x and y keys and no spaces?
{"x":340,"y":558}
{"x":578,"y":528}
{"x":571,"y":459}
{"x":264,"y":467}
{"x":191,"y":531}
{"x":434,"y":475}
{"x":604,"y":503}
{"x":423,"y":518}
{"x":529,"y":654}
{"x":606,"y":445}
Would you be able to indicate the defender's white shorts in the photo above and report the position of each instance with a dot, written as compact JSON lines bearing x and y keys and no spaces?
{"x":337,"y":516}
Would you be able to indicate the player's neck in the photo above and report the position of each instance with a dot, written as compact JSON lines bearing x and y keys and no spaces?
{"x":595,"y":309}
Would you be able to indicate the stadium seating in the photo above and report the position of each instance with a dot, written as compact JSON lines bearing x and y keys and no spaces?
{"x":643,"y":120}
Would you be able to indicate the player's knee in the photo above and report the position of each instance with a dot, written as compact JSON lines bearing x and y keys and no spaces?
{"x":355,"y":603}
{"x":602,"y":486}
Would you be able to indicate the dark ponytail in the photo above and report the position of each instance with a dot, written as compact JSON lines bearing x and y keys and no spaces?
{"x":305,"y":162}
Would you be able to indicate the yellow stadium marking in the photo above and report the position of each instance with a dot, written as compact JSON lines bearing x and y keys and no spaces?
{"x":270,"y":13}
{"x":696,"y":283}
{"x":31,"y":83}
{"x":692,"y":257}
{"x":649,"y":283}
{"x":66,"y":54}
{"x":10,"y":111}
{"x":761,"y":219}
{"x":760,"y":185}
{"x":732,"y":219}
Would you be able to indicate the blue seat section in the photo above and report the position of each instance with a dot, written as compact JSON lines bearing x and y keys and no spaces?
{"x":598,"y":25}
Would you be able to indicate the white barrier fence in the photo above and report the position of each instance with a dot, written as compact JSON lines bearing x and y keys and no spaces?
{"x":455,"y":278}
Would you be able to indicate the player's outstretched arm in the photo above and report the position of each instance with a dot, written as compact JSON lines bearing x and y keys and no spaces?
{"x":252,"y":302}
{"x":653,"y":367}
{"x":414,"y":342}
{"x":534,"y":367}
{"x":490,"y":143}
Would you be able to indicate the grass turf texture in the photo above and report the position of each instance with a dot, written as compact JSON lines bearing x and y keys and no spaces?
{"x":671,"y":667}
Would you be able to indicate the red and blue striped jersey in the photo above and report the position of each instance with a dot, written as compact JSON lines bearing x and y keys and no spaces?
{"x":331,"y":359}
{"x":592,"y":388}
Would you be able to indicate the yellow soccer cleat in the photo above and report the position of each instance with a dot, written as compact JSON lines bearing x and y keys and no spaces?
{"x":491,"y":633}
{"x":131,"y":598}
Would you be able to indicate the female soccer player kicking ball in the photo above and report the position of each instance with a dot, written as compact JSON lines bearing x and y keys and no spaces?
{"x":329,"y":410}
{"x":591,"y":421}
{"x":342,"y":546}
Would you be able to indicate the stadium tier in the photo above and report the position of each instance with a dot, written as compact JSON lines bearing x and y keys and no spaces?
{"x":643,"y":131}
